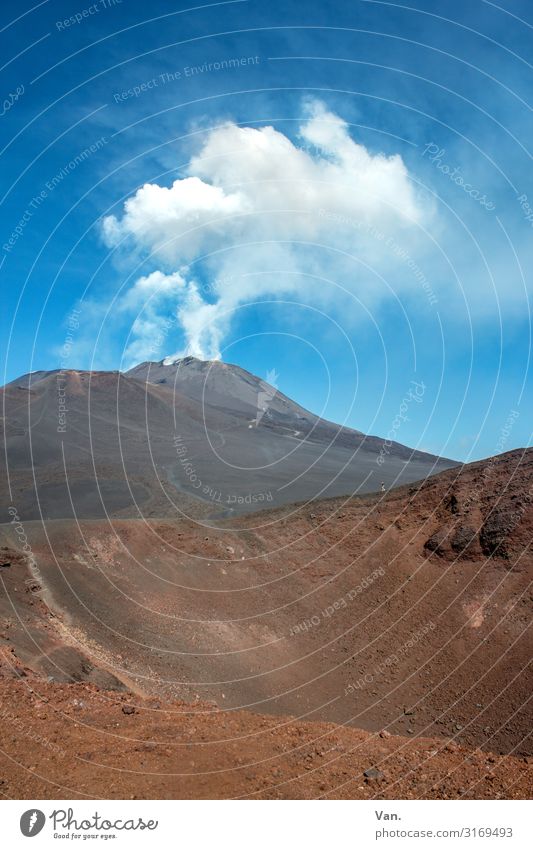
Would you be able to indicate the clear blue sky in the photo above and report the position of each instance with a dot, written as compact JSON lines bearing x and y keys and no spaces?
{"x":349,"y":291}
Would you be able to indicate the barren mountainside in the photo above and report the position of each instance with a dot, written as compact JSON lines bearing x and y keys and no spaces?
{"x":190,"y":438}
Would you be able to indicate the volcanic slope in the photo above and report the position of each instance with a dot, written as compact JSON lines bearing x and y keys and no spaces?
{"x":192,"y":438}
{"x":408,"y":611}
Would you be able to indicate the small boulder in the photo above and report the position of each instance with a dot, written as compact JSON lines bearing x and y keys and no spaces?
{"x":437,"y":542}
{"x":495,"y":532}
{"x":373,"y":774}
{"x":463,"y":538}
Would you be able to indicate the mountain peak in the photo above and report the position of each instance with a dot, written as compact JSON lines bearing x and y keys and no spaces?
{"x":184,"y":361}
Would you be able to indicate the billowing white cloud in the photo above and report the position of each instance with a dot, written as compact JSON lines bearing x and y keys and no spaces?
{"x":258,"y":212}
{"x":149,"y":299}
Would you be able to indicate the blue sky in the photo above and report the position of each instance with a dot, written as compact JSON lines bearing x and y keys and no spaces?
{"x":422,"y":272}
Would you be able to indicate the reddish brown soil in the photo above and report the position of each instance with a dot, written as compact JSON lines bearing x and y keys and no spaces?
{"x":70,"y":741}
{"x":409,"y":613}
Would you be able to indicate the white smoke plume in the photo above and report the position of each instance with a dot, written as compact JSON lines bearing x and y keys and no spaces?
{"x":254,"y":216}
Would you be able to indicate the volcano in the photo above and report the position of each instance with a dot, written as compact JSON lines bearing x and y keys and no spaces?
{"x":186,"y":438}
{"x":149,"y":589}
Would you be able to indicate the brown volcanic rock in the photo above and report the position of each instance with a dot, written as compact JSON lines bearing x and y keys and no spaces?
{"x":334,"y":613}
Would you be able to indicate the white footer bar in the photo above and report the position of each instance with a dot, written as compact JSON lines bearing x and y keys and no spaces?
{"x":264,"y":825}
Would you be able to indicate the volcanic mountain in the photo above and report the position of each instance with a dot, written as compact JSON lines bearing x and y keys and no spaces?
{"x":173,"y":641}
{"x":186,"y":438}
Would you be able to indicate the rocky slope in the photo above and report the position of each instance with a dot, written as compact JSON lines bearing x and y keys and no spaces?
{"x":73,"y":741}
{"x":377,"y":613}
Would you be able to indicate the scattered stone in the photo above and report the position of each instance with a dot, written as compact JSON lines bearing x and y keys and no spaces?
{"x":452,"y":504}
{"x":373,"y":774}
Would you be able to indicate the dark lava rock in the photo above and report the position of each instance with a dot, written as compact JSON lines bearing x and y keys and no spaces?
{"x":452,"y":504}
{"x":495,"y":531}
{"x":464,"y":536}
{"x":373,"y":774}
{"x":437,"y":542}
